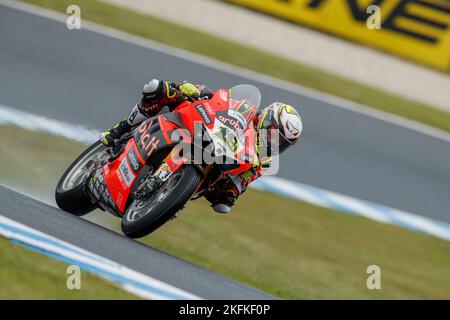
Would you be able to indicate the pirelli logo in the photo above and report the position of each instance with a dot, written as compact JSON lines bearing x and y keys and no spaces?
{"x":416,"y":29}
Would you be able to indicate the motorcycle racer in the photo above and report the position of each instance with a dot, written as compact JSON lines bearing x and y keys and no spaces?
{"x":223,"y":194}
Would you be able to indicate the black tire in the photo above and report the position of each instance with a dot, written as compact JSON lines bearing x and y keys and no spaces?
{"x":161,"y":212}
{"x":75,"y":200}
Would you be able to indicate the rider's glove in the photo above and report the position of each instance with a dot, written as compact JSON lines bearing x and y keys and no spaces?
{"x":190,"y":90}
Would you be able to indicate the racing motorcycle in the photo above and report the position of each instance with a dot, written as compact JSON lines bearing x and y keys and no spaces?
{"x":153,"y":171}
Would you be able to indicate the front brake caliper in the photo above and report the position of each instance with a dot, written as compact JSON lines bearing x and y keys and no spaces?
{"x":148,"y":186}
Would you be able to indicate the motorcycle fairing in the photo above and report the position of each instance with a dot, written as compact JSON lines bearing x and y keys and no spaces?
{"x":121,"y":173}
{"x":152,"y":144}
{"x":99,"y":192}
{"x":154,"y":135}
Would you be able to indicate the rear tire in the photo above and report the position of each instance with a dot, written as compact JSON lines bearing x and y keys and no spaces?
{"x":155,"y":215}
{"x":73,"y":198}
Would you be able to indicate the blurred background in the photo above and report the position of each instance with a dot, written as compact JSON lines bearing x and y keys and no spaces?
{"x":368,"y":184}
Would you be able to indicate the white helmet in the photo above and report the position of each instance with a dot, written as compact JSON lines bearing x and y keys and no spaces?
{"x":283,"y":118}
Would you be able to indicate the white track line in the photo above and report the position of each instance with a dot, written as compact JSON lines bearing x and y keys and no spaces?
{"x":367,"y":209}
{"x":130,"y":280}
{"x":273,"y":184}
{"x":231,"y":69}
{"x":29,"y":121}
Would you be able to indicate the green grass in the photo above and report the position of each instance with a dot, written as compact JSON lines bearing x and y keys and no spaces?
{"x":20,"y":168}
{"x":250,"y":58}
{"x":25,"y":274}
{"x":288,"y":248}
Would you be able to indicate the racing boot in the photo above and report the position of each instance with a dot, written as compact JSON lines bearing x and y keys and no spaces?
{"x":110,"y":137}
{"x":222,"y":195}
{"x":221,"y":208}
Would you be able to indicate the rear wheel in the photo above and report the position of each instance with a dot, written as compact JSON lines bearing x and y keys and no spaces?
{"x":144,"y":216}
{"x":69,"y":194}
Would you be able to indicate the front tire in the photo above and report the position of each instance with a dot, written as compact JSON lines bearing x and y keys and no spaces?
{"x":70,"y":195}
{"x":140,"y":220}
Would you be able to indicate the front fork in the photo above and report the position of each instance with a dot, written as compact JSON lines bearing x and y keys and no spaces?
{"x":172,"y":163}
{"x":166,"y":169}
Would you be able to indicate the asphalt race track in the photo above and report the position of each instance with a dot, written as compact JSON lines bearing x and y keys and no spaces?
{"x":87,"y":78}
{"x":120,"y":249}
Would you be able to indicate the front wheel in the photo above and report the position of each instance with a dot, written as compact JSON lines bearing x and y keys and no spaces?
{"x":145,"y":216}
{"x":69,"y":194}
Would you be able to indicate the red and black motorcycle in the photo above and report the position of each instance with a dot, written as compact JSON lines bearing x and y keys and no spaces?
{"x":153,"y":171}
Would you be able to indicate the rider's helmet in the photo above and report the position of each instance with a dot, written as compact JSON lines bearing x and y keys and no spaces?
{"x":280,"y":126}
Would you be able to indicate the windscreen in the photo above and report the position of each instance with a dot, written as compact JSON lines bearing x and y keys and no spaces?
{"x":246,"y":92}
{"x":230,"y":126}
{"x":245,"y":99}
